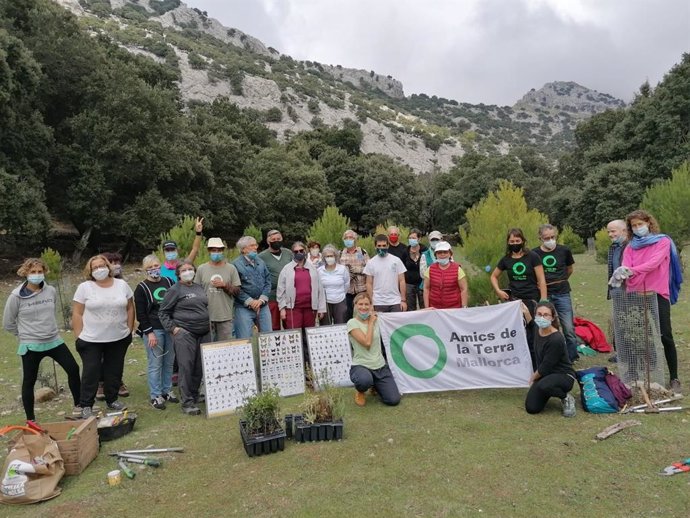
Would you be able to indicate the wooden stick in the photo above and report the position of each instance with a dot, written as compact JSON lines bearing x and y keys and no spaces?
{"x":645,"y":396}
{"x":615,"y":428}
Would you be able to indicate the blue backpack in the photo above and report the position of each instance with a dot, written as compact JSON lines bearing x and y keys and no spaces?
{"x":595,"y":393}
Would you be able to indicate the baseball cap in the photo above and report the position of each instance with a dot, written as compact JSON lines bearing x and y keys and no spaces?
{"x":215,"y":242}
{"x":169,"y":244}
{"x":435,"y":234}
{"x":442,"y":246}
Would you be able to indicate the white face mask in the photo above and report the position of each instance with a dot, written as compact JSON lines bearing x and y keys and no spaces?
{"x":187,"y":275}
{"x":550,"y":244}
{"x":314,"y":252}
{"x":330,"y":261}
{"x":100,"y":273}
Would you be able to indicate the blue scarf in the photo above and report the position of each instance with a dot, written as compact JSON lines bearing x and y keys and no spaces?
{"x":676,"y":272}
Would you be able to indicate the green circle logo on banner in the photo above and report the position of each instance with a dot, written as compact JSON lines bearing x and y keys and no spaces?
{"x":549,"y":261}
{"x":404,"y":333}
{"x":519,"y":268}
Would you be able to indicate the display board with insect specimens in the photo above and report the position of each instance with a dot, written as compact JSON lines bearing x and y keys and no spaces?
{"x":281,"y":362}
{"x":330,"y":355}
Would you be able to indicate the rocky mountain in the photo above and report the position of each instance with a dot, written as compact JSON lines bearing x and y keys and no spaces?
{"x":291,"y":96}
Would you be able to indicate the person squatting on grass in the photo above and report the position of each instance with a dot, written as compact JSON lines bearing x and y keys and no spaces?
{"x":158,"y":343}
{"x":102,"y":321}
{"x":653,"y":263}
{"x":30,"y":315}
{"x":554,"y":375}
{"x":369,"y":368}
{"x":184,"y":314}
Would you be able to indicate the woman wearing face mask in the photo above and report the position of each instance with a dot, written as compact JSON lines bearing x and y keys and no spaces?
{"x":30,"y":315}
{"x":354,"y":258}
{"x":652,"y":265}
{"x":445,"y":284}
{"x":148,"y":296}
{"x":184,"y":314}
{"x":299,"y":292}
{"x":554,"y":375}
{"x":335,"y":280}
{"x":428,"y":258}
{"x":314,"y":257}
{"x":369,"y":369}
{"x":102,"y":321}
{"x":171,"y":252}
{"x":413,"y":279}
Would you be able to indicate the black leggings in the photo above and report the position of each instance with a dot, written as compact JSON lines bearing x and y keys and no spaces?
{"x":30,"y":364}
{"x":667,"y":335}
{"x":552,"y":385}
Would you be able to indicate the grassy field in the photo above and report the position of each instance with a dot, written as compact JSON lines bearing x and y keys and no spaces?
{"x":446,"y":454}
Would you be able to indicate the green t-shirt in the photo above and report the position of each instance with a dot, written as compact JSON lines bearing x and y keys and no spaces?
{"x":372,"y":357}
{"x":275,"y":264}
{"x":220,"y":303}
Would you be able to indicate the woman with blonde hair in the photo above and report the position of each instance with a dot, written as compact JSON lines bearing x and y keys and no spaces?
{"x":102,"y":321}
{"x":30,"y":315}
{"x":148,"y":297}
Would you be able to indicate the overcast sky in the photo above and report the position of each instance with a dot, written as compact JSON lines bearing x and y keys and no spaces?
{"x":490,"y":51}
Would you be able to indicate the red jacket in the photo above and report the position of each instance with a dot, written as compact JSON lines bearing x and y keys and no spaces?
{"x":591,"y":335}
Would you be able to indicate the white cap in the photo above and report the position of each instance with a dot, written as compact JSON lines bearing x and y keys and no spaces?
{"x":442,"y":246}
{"x":435,"y":234}
{"x":215,"y":242}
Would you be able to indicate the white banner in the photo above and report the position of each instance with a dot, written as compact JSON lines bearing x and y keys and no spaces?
{"x":457,"y":349}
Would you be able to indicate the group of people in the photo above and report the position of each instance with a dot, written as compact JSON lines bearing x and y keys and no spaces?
{"x":179,"y":306}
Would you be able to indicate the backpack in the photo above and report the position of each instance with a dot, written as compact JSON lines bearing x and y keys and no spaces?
{"x":620,"y":391}
{"x":595,"y":394}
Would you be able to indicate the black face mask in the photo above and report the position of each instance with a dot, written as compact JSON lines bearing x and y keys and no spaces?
{"x":276,"y":245}
{"x":516,"y":248}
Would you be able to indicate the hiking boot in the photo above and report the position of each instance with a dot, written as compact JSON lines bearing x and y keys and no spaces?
{"x":676,"y":388}
{"x":568,"y":403}
{"x":170,"y":397}
{"x":614,"y":358}
{"x":201,"y":398}
{"x":77,"y":412}
{"x":100,"y":395}
{"x":158,"y":403}
{"x":360,"y":398}
{"x":124,"y":391}
{"x":117,"y":405}
{"x":190,"y":410}
{"x":86,"y":412}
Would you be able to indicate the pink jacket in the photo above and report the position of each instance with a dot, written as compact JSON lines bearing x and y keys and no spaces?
{"x":650,"y":266}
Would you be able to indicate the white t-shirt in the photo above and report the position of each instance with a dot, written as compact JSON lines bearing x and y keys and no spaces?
{"x":105,"y":311}
{"x":335,"y":283}
{"x":385,"y":271}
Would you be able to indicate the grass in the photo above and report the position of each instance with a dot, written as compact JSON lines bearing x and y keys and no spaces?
{"x":444,"y":454}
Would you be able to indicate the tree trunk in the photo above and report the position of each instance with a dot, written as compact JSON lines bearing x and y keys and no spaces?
{"x":81,"y":246}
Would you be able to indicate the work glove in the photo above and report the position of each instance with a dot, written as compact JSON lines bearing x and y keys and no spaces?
{"x":619,"y":276}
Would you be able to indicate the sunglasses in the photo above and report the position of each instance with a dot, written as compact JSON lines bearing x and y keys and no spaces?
{"x":301,"y":251}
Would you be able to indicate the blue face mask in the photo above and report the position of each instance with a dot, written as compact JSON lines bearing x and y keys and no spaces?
{"x":349,"y":243}
{"x":216,"y":256}
{"x":35,"y":279}
{"x":252,"y":255}
{"x":382,"y":252}
{"x":154,"y":273}
{"x":443,"y":261}
{"x":542,"y":322}
{"x":618,"y":240}
{"x":641,"y":231}
{"x":363,"y":316}
{"x":413,"y":242}
{"x":170,"y":256}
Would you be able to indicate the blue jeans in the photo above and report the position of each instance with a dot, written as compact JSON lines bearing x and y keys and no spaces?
{"x":564,"y":308}
{"x":245,"y":318}
{"x":161,"y":359}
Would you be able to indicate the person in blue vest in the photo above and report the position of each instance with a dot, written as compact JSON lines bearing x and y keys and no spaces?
{"x":557,"y":261}
{"x":172,"y":258}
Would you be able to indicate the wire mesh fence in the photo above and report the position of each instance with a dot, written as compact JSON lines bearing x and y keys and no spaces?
{"x":637,"y":337}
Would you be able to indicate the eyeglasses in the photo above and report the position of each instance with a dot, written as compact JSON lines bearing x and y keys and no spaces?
{"x":301,"y":251}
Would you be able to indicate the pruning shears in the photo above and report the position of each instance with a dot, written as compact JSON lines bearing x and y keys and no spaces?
{"x":677,"y":467}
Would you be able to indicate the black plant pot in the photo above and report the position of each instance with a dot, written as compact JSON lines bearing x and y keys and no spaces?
{"x":262,"y":444}
{"x":308,"y":432}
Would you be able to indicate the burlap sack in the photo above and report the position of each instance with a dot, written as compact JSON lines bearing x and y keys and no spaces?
{"x":32,"y":470}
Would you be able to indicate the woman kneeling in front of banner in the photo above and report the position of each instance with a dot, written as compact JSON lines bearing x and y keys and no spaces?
{"x":369,"y":369}
{"x":554,"y":376}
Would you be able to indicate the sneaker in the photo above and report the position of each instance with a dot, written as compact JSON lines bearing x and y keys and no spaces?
{"x":170,"y":397}
{"x":100,"y":395}
{"x":124,"y":391}
{"x":675,"y":387}
{"x":201,"y":398}
{"x":86,"y":412}
{"x":117,"y":405}
{"x":360,"y":398}
{"x":77,"y":412}
{"x":158,"y":403}
{"x":613,"y":359}
{"x":190,"y":410}
{"x":568,"y":403}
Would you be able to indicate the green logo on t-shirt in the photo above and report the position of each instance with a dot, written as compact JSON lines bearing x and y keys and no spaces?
{"x":549,"y":261}
{"x":519,"y":268}
{"x":159,"y":293}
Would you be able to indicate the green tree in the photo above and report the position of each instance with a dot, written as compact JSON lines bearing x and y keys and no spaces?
{"x":602,"y":243}
{"x":669,"y":201}
{"x":569,"y":238}
{"x":329,"y":227}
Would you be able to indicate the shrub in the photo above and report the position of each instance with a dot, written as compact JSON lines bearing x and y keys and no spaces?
{"x":313,"y":106}
{"x":53,"y":262}
{"x":329,"y":228}
{"x":602,"y":244}
{"x":254,"y":231}
{"x":569,"y":238}
{"x":196,"y":61}
{"x":273,"y":115}
{"x":261,"y":412}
